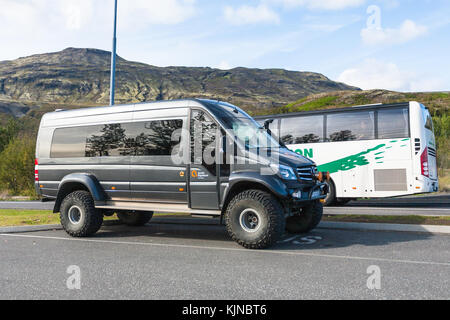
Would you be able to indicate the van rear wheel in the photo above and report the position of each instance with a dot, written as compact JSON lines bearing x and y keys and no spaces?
{"x":255,"y":219}
{"x":135,"y":218}
{"x":306,"y":220}
{"x":78,"y":214}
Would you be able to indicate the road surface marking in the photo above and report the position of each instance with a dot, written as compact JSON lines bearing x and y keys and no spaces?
{"x":247,"y":251}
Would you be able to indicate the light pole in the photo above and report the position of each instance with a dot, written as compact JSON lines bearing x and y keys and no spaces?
{"x":113,"y":59}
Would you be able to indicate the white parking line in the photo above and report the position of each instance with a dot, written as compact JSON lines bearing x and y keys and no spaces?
{"x":291,"y":253}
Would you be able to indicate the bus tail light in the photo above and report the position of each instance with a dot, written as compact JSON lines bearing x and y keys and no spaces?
{"x":424,"y":163}
{"x":36,"y":170}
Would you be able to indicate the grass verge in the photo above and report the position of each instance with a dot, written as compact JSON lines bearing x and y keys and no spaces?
{"x":429,"y":220}
{"x":13,"y":218}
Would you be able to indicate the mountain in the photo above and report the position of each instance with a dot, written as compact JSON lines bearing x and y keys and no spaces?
{"x":81,"y":77}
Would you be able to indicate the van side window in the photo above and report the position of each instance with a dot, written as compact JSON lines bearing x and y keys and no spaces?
{"x":150,"y":138}
{"x":68,"y":143}
{"x":106,"y":141}
{"x":203,"y":140}
{"x":153,"y":138}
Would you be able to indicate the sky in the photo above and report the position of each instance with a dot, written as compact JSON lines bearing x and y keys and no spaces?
{"x":401,"y":45}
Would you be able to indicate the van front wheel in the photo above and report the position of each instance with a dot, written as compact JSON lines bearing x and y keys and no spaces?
{"x":306,"y":220}
{"x":78,"y":214}
{"x":255,"y":219}
{"x":135,"y":218}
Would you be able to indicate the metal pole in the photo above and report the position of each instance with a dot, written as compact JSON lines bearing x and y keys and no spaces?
{"x":113,"y":59}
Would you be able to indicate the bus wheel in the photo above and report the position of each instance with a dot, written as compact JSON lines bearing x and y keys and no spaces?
{"x":306,"y":220}
{"x":78,"y":214}
{"x":255,"y":219}
{"x":135,"y":218}
{"x":331,"y":196}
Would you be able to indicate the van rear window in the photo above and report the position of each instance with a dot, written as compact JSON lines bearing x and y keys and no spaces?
{"x":150,"y":138}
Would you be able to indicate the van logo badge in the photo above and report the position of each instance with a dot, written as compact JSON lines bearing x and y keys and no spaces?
{"x":181,"y":173}
{"x":194,"y":174}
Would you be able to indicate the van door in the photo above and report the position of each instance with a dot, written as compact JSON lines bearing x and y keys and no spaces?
{"x":203,"y":178}
{"x":154,"y":172}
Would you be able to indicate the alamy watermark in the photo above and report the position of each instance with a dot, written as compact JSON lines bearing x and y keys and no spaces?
{"x":374,"y":280}
{"x":73,"y":282}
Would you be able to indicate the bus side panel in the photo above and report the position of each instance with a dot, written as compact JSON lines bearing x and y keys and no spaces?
{"x":375,"y":168}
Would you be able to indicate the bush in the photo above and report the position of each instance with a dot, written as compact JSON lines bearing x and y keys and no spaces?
{"x":17,"y":166}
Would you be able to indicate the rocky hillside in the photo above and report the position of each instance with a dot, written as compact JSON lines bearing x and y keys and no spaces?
{"x":81,"y":76}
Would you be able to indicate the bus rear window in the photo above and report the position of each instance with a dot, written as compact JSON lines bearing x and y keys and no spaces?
{"x":428,"y":121}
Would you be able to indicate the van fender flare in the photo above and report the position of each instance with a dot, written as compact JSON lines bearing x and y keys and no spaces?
{"x":272,"y":183}
{"x":73,"y":181}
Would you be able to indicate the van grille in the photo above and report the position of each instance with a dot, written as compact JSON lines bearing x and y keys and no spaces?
{"x":432,"y":152}
{"x":306,"y":173}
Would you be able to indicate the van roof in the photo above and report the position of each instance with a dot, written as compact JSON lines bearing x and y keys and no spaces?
{"x":122,"y":108}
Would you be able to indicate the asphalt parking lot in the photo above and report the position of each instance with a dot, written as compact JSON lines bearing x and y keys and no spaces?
{"x":195,"y":259}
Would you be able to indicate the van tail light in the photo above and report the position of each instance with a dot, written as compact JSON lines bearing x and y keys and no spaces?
{"x":36,"y":170}
{"x":424,"y":163}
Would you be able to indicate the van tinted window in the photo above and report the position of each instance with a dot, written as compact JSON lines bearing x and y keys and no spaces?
{"x":350,"y":126}
{"x":151,"y":138}
{"x":393,"y":123}
{"x":68,"y":143}
{"x":302,"y":130}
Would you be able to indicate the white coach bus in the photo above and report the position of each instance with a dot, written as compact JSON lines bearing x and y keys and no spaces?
{"x":372,"y":151}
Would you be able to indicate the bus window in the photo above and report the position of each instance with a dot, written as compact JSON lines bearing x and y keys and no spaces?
{"x":351,"y":126}
{"x":393,"y":123}
{"x":298,"y":130}
{"x":428,"y":120}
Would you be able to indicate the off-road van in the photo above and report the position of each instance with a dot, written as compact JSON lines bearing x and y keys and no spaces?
{"x":200,"y":157}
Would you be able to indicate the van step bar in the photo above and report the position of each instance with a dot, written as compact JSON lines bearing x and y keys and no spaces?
{"x":156,"y":207}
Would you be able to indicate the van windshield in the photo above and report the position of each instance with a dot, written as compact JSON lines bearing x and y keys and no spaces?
{"x":244,"y":128}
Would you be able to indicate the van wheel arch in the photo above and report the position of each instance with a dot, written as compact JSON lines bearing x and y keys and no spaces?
{"x":67,"y":189}
{"x":240,"y":187}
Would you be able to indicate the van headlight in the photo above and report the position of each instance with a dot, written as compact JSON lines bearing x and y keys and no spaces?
{"x":285,"y":172}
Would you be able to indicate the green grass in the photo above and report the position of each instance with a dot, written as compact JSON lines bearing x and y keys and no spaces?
{"x":445,"y":220}
{"x":27,"y":217}
{"x":303,"y":105}
{"x":10,"y":217}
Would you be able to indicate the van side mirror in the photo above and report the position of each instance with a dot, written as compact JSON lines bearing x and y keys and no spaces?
{"x":267,"y":123}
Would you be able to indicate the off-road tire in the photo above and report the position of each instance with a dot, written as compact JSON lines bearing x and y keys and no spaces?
{"x":331,"y":195}
{"x":90,"y":219}
{"x":135,"y":218}
{"x":306,"y":220}
{"x":271,"y":219}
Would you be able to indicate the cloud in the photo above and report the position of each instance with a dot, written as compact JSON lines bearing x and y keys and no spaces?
{"x":224,"y":65}
{"x":143,"y":12}
{"x":408,"y":31}
{"x":250,"y":15}
{"x":374,"y":74}
{"x":77,"y":13}
{"x":320,"y":4}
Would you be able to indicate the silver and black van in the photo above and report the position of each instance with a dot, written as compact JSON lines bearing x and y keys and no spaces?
{"x":200,"y":157}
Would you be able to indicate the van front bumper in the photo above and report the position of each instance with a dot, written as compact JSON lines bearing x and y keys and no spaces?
{"x":315,"y":192}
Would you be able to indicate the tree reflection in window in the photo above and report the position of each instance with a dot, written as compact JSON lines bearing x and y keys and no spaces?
{"x":151,"y":138}
{"x":107,"y":143}
{"x":344,"y":135}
